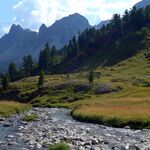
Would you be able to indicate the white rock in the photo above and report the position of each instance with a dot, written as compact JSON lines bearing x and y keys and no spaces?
{"x":38,"y":146}
{"x":10,"y":136}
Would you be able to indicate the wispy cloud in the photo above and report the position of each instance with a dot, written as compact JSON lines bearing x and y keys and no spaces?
{"x":4,"y":29}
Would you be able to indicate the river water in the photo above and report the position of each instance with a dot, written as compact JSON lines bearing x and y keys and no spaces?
{"x":56,"y":125}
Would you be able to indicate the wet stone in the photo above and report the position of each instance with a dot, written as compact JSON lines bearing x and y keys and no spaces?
{"x":7,"y":125}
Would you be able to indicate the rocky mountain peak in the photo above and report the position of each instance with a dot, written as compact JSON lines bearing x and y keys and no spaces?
{"x":43,"y":28}
{"x":15,"y":28}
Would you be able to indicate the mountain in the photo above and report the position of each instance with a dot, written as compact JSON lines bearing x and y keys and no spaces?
{"x":20,"y":42}
{"x":142,"y":3}
{"x":17,"y":43}
{"x":100,"y":25}
{"x":63,"y":30}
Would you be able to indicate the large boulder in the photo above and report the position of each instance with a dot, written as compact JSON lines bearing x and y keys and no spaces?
{"x":104,"y":89}
{"x":82,"y":88}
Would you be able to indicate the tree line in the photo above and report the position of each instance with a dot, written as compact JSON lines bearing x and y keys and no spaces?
{"x":5,"y":80}
{"x":92,"y":40}
{"x":48,"y":57}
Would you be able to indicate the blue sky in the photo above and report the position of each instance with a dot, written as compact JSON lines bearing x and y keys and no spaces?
{"x":32,"y":13}
{"x":6,"y":10}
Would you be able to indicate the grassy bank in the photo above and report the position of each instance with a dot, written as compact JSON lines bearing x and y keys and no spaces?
{"x":9,"y":108}
{"x":133,"y":112}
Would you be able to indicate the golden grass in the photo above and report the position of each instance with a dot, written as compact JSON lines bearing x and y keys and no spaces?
{"x":117,"y":112}
{"x":8,"y":108}
{"x":125,"y":112}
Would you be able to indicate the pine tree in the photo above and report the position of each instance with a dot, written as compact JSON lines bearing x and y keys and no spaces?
{"x":28,"y":65}
{"x":82,"y":40}
{"x":5,"y":82}
{"x":75,"y":47}
{"x":117,"y":25}
{"x":53,"y":55}
{"x":12,"y":70}
{"x":126,"y":21}
{"x":103,"y":30}
{"x":91,"y":77}
{"x":147,"y":14}
{"x":70,"y":49}
{"x":41,"y":79}
{"x":133,"y":17}
{"x":44,"y":58}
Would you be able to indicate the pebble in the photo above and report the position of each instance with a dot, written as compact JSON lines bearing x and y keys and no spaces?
{"x":127,"y":127}
{"x":12,"y":143}
{"x":9,"y":136}
{"x":95,"y":148}
{"x":2,"y":119}
{"x":7,"y":125}
{"x":133,"y":148}
{"x":38,"y":146}
{"x":2,"y":142}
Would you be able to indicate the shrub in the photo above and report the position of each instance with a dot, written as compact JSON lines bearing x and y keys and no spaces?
{"x":60,"y":146}
{"x":29,"y":118}
{"x":91,"y":77}
{"x":5,"y":82}
{"x":41,"y":79}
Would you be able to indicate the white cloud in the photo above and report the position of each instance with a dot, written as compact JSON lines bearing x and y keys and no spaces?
{"x":32,"y":13}
{"x":4,"y":29}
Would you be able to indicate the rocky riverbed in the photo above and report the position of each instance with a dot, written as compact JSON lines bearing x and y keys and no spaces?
{"x":56,"y":125}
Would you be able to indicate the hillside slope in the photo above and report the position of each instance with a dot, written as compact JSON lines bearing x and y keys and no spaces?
{"x":119,"y":40}
{"x":119,"y":51}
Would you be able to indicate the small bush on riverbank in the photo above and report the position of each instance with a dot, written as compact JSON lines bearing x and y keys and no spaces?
{"x":29,"y":118}
{"x":60,"y":146}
